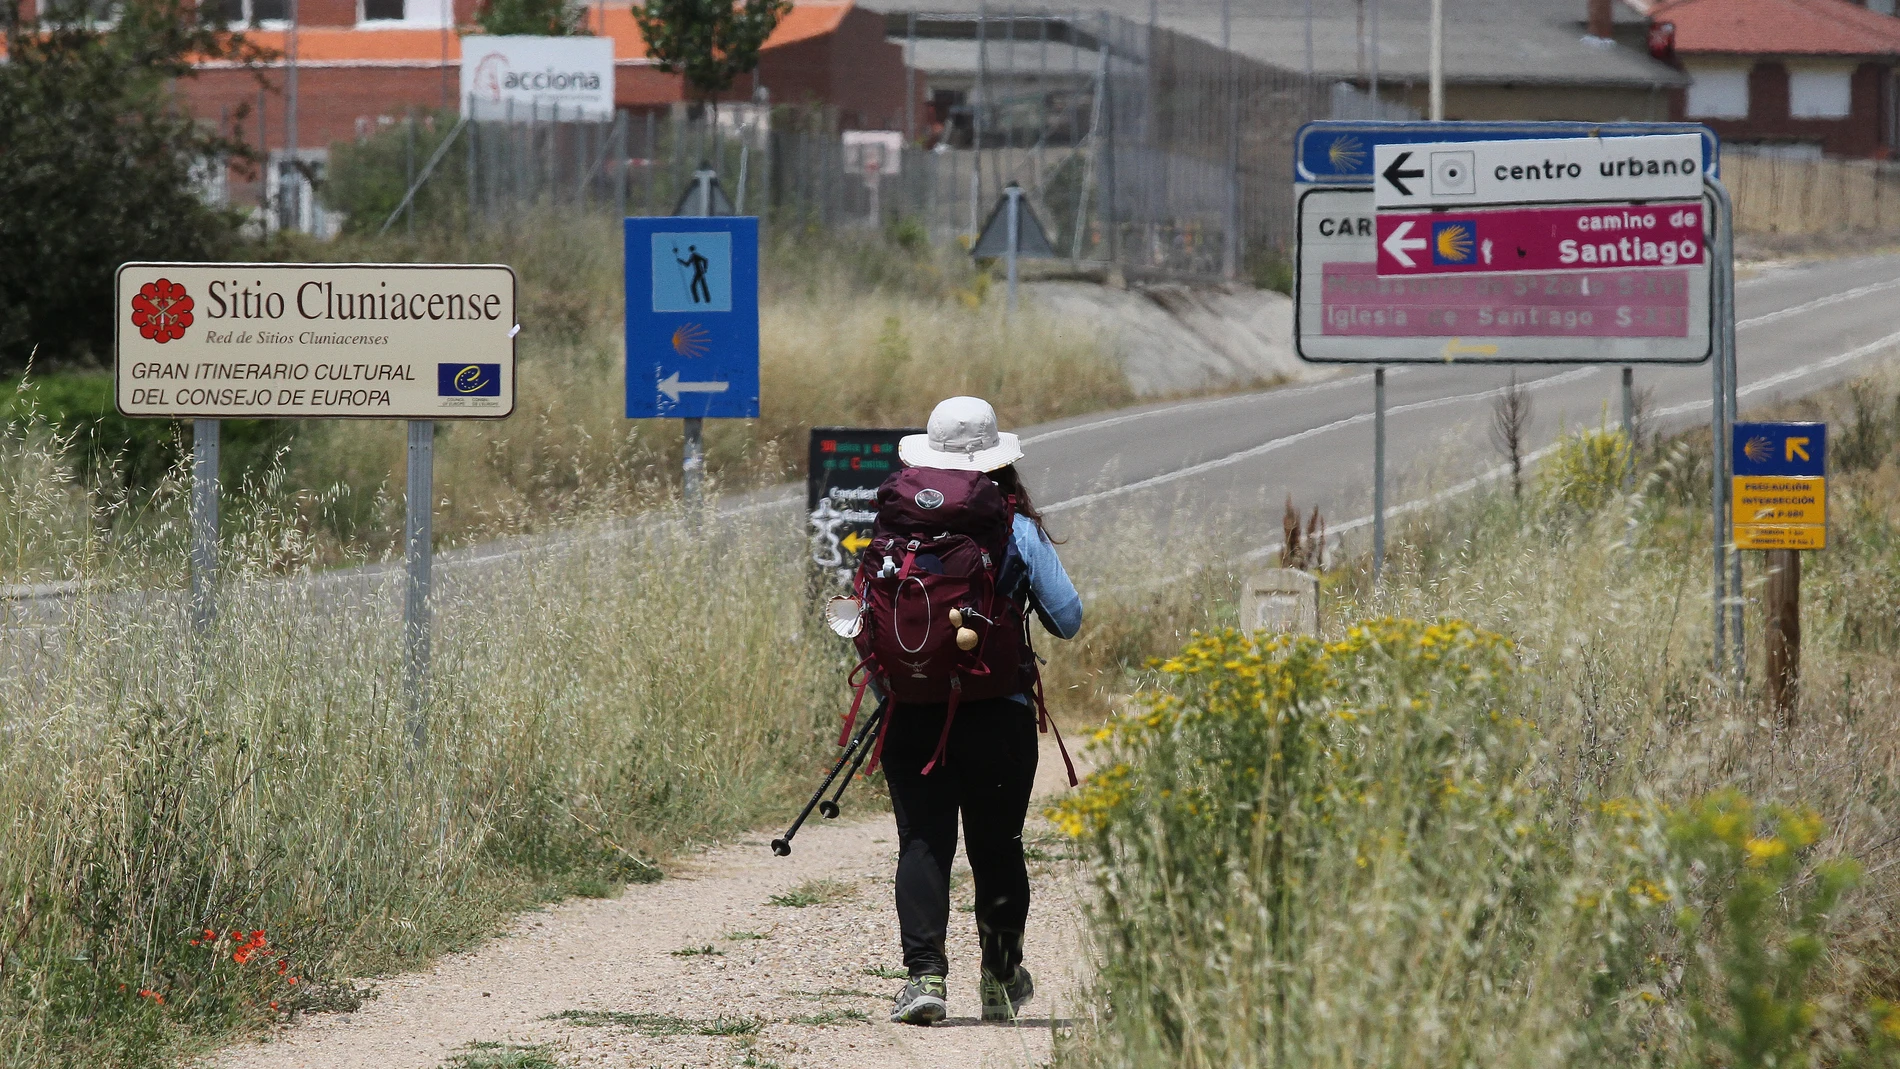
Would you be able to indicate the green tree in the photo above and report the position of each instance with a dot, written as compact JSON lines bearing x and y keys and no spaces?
{"x":99,"y":164}
{"x":708,"y":42}
{"x":536,"y":18}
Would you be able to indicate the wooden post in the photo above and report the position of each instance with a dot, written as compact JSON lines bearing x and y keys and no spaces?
{"x":1782,"y":636}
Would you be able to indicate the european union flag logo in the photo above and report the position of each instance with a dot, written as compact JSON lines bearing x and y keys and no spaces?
{"x":468,"y":380}
{"x":1454,"y":241}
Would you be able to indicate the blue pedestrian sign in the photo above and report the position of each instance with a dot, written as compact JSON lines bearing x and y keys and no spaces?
{"x":1338,"y":152}
{"x":1789,"y":450}
{"x":692,"y":317}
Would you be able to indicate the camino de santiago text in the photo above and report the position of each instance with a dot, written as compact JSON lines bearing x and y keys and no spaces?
{"x":315,"y":300}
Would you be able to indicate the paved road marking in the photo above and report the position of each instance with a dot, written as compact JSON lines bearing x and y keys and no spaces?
{"x":1301,"y":436}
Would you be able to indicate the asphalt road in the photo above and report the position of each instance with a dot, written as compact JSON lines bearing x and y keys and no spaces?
{"x":1223,"y":468}
{"x":1218,"y":471}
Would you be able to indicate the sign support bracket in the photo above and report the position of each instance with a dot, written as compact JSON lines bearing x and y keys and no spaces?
{"x":418,"y":554}
{"x":204,"y":522}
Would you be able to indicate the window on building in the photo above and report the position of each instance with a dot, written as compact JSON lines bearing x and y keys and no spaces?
{"x":412,"y":13}
{"x":1718,"y":93}
{"x":252,"y":12}
{"x":1822,"y":94}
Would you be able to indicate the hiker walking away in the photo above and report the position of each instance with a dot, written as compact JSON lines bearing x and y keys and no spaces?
{"x":975,"y":753}
{"x":701,"y":293}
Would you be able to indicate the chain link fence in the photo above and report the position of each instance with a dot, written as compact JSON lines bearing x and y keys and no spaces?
{"x":1147,"y":149}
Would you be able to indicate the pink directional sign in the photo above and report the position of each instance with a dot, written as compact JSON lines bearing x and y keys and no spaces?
{"x":1555,"y":283}
{"x":1569,"y":238}
{"x":1356,"y":300}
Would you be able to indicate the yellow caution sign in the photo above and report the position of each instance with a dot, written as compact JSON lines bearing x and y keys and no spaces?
{"x":1779,"y":499}
{"x":1790,"y":536}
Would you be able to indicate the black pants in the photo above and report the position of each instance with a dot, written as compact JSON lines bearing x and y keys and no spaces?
{"x":987,"y":772}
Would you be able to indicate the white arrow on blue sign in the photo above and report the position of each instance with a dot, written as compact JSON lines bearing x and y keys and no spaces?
{"x":692,"y":317}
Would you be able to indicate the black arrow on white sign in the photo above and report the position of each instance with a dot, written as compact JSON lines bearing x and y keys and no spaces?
{"x":1393,"y":174}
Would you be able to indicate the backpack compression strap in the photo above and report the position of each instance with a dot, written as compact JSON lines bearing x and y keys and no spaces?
{"x":949,"y":717}
{"x":1047,"y":724}
{"x":851,"y":718}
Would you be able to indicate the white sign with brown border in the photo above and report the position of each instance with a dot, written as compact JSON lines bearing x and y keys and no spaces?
{"x":315,"y":341}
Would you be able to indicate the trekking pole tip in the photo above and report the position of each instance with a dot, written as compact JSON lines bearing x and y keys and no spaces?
{"x":781,"y":847}
{"x":829,"y":809}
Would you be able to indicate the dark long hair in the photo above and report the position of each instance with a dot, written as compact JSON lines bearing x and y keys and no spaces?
{"x":1011,"y":484}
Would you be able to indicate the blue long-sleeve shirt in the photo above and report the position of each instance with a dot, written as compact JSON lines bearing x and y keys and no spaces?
{"x":1060,"y":605}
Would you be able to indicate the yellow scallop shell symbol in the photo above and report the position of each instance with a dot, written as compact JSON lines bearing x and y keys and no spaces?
{"x":1346,"y":153}
{"x":1454,"y":244}
{"x":1756,"y":449}
{"x":690,"y":340}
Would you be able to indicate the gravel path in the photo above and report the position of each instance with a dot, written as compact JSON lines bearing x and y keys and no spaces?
{"x":605,"y":982}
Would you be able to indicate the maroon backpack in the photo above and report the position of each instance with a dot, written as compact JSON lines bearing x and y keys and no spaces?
{"x":936,"y":626}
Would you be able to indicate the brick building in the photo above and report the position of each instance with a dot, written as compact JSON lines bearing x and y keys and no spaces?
{"x":364,"y":63}
{"x":1806,"y":77}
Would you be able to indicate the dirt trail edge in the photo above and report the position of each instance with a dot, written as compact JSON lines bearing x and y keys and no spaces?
{"x":703,"y":969}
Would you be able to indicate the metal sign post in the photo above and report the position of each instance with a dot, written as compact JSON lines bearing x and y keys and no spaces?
{"x":692,"y":313}
{"x":1013,"y":233}
{"x":1378,"y":474}
{"x":204,"y":522}
{"x":418,"y":561}
{"x":416,"y":342}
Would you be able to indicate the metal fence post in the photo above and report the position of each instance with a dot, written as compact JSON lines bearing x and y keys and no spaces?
{"x":620,"y":164}
{"x":204,"y":522}
{"x":474,"y":161}
{"x":1725,"y":325}
{"x":419,"y":502}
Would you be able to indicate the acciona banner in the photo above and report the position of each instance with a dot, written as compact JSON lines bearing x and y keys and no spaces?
{"x":519,"y":78}
{"x":315,"y":341}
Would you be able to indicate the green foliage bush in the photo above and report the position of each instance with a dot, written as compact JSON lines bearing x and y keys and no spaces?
{"x":1313,"y":853}
{"x":97,"y":167}
{"x":367,"y":179}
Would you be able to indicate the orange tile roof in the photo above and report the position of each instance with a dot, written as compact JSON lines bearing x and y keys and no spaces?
{"x":1780,"y":27}
{"x":345,"y":45}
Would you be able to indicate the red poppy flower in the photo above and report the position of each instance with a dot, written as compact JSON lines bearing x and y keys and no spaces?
{"x":162,"y":310}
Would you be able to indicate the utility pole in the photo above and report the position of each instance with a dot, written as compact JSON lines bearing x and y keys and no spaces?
{"x":1438,"y":60}
{"x":1230,"y":221}
{"x":295,"y":201}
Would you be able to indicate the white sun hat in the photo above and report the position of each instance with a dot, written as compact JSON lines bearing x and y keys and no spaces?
{"x":962,"y":437}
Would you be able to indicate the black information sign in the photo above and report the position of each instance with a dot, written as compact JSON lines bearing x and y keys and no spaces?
{"x":847,"y":466}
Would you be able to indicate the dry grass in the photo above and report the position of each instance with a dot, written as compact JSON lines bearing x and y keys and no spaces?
{"x":855,"y":332}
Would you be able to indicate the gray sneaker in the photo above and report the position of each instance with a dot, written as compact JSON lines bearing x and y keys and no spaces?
{"x":1002,"y":1001}
{"x":921,"y":1002}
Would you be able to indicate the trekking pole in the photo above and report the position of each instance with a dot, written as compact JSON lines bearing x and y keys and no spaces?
{"x":829,"y":809}
{"x":782,"y":845}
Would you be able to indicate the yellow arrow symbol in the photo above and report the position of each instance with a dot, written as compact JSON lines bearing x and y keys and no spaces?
{"x":1797,"y":447}
{"x":855,"y":541}
{"x":1456,"y":347}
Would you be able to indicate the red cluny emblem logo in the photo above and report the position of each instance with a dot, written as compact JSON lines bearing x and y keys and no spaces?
{"x":161,"y":310}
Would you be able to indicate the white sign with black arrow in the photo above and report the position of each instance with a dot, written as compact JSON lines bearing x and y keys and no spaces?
{"x":1467,"y":173}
